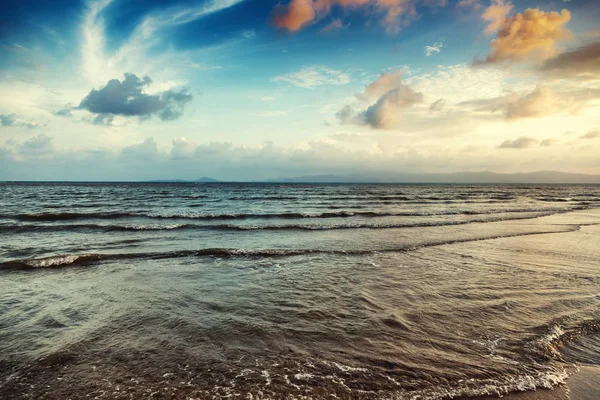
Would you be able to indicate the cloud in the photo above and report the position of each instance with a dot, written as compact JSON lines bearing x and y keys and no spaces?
{"x":334,"y":25}
{"x":15,"y":120}
{"x":435,"y":3}
{"x":469,"y":3}
{"x":437,"y":105}
{"x":580,"y":63}
{"x":182,"y":148}
{"x":294,"y":16}
{"x":541,"y":101}
{"x":392,"y":97}
{"x":591,"y":135}
{"x":145,"y":151}
{"x":434,"y":48}
{"x":141,"y":50}
{"x":127,"y":98}
{"x":39,"y":145}
{"x":531,"y":35}
{"x":495,"y":15}
{"x":213,"y":148}
{"x":549,"y":142}
{"x":103,"y":119}
{"x":520,"y":143}
{"x":299,"y":13}
{"x":369,"y":157}
{"x":311,"y":77}
{"x":347,"y":115}
{"x":385,"y":113}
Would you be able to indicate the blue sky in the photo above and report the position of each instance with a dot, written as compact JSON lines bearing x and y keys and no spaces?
{"x":248,"y":89}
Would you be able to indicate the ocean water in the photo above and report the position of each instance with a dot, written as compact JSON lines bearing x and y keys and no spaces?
{"x":193,"y":291}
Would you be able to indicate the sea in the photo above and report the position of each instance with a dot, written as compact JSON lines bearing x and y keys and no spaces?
{"x":295,"y":291}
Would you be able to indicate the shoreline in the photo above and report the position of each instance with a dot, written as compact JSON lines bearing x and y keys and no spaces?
{"x":584,"y":384}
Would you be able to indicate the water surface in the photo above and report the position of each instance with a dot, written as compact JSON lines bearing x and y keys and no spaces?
{"x":295,"y":291}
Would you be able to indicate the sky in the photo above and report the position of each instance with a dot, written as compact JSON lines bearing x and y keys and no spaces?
{"x":258,"y":89}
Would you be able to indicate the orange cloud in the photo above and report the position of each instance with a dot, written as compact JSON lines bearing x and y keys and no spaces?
{"x":293,"y":17}
{"x":495,"y":15}
{"x":299,"y":13}
{"x":533,"y":34}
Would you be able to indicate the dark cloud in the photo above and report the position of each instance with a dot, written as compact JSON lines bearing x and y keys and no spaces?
{"x":346,"y":115}
{"x":65,"y":112}
{"x":103,"y":119}
{"x":127,"y":98}
{"x":581,"y":63}
{"x":7,"y":119}
{"x":392,"y":98}
{"x":520,"y":143}
{"x":39,"y":145}
{"x":15,"y":120}
{"x":385,"y":113}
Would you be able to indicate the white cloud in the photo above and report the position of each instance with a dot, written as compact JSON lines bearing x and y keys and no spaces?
{"x":460,"y":82}
{"x":434,"y":48}
{"x":99,"y":66}
{"x":314,"y":76}
{"x":145,"y":151}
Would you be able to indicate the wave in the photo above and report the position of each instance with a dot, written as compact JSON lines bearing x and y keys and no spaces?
{"x":87,"y":259}
{"x":71,"y":216}
{"x":557,"y":336}
{"x":15,"y":229}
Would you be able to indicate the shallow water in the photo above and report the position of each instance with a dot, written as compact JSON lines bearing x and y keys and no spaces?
{"x":295,"y":291}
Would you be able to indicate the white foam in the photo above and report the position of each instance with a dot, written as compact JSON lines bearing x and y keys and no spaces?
{"x":54,"y":261}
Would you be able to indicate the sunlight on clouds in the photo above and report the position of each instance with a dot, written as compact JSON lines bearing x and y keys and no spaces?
{"x":532,"y":34}
{"x":580,"y":63}
{"x":308,"y":102}
{"x":392,"y":96}
{"x":299,"y":13}
{"x":495,"y":15}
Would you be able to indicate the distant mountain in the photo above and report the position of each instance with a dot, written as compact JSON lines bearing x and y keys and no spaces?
{"x":458,"y":177}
